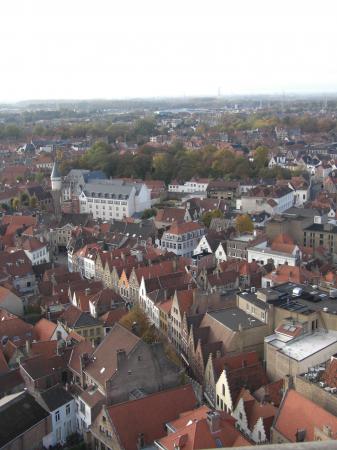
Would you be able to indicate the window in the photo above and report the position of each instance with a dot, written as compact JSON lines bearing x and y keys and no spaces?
{"x":82,"y":407}
{"x":259,"y":436}
{"x":57,"y":416}
{"x":223,"y":390}
{"x":68,"y":409}
{"x":58,"y":434}
{"x":240,"y":415}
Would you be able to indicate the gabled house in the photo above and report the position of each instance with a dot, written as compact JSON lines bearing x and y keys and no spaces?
{"x":104,"y":301}
{"x":254,"y":418}
{"x":241,"y":370}
{"x":202,"y":428}
{"x":123,"y":363}
{"x":73,"y":319}
{"x":45,"y":330}
{"x":148,"y":416}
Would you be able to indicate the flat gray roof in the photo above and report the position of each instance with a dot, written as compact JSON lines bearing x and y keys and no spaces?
{"x":233,"y":317}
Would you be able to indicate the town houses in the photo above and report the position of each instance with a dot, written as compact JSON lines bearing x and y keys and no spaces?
{"x":163,"y":311}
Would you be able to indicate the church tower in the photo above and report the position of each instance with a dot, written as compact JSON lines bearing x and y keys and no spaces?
{"x":56,"y":187}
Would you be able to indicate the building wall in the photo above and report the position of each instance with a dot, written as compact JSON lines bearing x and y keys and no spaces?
{"x":63,"y":424}
{"x":13,"y":304}
{"x":264,"y":256}
{"x":141,"y":370}
{"x":316,"y":394}
{"x":32,"y":438}
{"x":279,"y":365}
{"x":39,"y":256}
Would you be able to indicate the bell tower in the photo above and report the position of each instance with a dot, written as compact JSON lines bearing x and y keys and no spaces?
{"x":56,"y":187}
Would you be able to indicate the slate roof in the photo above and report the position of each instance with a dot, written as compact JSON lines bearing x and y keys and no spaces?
{"x":55,"y":397}
{"x":19,"y":415}
{"x":75,"y":318}
{"x":105,"y":355}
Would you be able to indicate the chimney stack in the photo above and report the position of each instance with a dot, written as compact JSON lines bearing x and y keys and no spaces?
{"x":121,"y":357}
{"x":213,"y":420}
{"x":28,"y":347}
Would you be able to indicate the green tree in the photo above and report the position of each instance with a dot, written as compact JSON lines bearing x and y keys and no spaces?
{"x":137,"y":321}
{"x":147,"y":213}
{"x":244,"y":224}
{"x":261,"y":157}
{"x":24,"y":199}
{"x":208,"y":216}
{"x":15,"y":203}
{"x":33,"y":201}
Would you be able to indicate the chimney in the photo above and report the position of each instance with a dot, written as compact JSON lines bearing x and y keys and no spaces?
{"x":121,"y":357}
{"x":28,"y":347}
{"x":213,"y":420}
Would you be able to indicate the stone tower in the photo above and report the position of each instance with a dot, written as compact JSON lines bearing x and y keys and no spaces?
{"x":56,"y":187}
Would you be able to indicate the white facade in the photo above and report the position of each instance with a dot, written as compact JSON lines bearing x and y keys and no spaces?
{"x":83,"y":416}
{"x":189,"y":186}
{"x":182,"y":243}
{"x":89,"y":268}
{"x":263,"y":254}
{"x":111,"y":199}
{"x":148,"y":306}
{"x":301,"y":196}
{"x":38,"y":256}
{"x":224,"y":400}
{"x":258,"y":433}
{"x":272,"y":205}
{"x":63,"y":424}
{"x":203,"y":246}
{"x":220,"y":253}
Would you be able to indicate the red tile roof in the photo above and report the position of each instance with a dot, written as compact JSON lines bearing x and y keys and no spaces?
{"x":193,"y":432}
{"x":44,"y":330}
{"x":148,"y":415}
{"x":184,"y":228}
{"x":45,"y":348}
{"x":113,"y":316}
{"x":255,"y":410}
{"x":298,"y":413}
{"x":330,"y":374}
{"x":106,"y":353}
{"x":3,"y":363}
{"x":33,"y":244}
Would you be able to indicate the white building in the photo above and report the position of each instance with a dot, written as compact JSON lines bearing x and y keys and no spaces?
{"x":114,"y":199}
{"x":36,"y":251}
{"x":61,"y":407}
{"x":182,"y":239}
{"x":288,"y":352}
{"x":263,"y":254}
{"x":273,"y":200}
{"x":195,"y":185}
{"x":254,"y":418}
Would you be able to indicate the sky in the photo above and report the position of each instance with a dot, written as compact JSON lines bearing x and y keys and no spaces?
{"x":79,"y":49}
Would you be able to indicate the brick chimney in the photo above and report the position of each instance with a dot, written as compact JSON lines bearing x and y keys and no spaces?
{"x":121,"y":358}
{"x":213,"y":420}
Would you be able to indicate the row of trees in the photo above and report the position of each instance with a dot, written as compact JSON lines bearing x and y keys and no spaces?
{"x":176,"y":162}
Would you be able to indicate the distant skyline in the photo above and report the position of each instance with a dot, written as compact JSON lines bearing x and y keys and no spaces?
{"x":105,"y":49}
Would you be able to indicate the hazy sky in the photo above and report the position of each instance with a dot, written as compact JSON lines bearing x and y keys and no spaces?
{"x":147,"y":48}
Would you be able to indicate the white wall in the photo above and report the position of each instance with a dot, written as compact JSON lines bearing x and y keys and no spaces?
{"x":63,"y":424}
